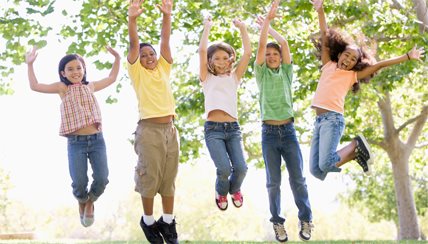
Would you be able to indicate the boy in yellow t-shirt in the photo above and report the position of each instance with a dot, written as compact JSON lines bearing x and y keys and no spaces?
{"x":156,"y":138}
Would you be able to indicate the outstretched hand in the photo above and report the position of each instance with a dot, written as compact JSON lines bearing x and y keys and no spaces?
{"x":272,"y":12}
{"x":317,"y":4}
{"x":208,"y":22}
{"x":166,"y":7}
{"x":416,"y":53}
{"x":238,"y":23}
{"x":259,"y":21}
{"x":113,"y":52}
{"x":31,"y":56}
{"x":135,"y":9}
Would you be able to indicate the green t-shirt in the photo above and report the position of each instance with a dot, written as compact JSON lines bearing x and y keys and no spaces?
{"x":275,"y":98}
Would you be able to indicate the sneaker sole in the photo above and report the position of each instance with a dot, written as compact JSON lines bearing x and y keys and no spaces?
{"x":237,"y":205}
{"x":371,"y":155}
{"x":222,"y":209}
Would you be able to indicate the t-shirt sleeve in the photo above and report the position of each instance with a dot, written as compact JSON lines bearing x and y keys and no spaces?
{"x":259,"y":72}
{"x":287,"y":71}
{"x":164,"y":65}
{"x":133,"y":70}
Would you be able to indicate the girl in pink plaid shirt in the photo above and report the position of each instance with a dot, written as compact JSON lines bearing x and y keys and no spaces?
{"x":81,"y":124}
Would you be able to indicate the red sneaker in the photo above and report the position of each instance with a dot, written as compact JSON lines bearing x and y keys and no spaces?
{"x":221,"y":201}
{"x":237,"y":199}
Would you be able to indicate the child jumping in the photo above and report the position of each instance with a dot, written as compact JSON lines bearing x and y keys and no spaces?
{"x":344,"y":66}
{"x":81,"y":124}
{"x":274,"y":71}
{"x":220,"y":82}
{"x":156,"y":138}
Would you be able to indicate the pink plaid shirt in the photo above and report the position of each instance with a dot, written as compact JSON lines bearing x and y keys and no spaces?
{"x":79,"y":108}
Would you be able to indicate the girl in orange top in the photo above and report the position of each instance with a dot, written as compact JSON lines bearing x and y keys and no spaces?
{"x":344,"y":65}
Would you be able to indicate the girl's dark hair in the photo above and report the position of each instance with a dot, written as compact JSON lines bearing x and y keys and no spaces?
{"x":274,"y":46}
{"x":219,"y":46}
{"x":337,"y":44}
{"x":144,"y":44}
{"x":64,"y":61}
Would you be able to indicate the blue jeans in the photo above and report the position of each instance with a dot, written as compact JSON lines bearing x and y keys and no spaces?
{"x":328,"y":129}
{"x":224,"y":142}
{"x":80,"y":149}
{"x":280,"y":141}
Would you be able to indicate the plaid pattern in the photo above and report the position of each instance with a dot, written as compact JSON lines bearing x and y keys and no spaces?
{"x":79,"y":108}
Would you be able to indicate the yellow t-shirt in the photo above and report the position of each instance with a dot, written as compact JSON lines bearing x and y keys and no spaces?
{"x":154,"y":94}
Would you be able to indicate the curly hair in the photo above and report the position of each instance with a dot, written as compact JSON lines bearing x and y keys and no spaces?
{"x":336,"y":44}
{"x":219,"y":46}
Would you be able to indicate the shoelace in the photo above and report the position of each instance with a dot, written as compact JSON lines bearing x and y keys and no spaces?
{"x":222,"y":199}
{"x":279,"y":230}
{"x":237,"y":196}
{"x":362,"y":150}
{"x":362,"y":163}
{"x":307,"y":226}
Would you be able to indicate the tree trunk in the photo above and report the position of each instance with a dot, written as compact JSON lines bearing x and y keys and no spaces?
{"x":422,"y":14}
{"x":407,"y":216}
{"x":399,"y":154}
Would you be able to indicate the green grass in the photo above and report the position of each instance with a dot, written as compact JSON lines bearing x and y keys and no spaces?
{"x":207,"y":242}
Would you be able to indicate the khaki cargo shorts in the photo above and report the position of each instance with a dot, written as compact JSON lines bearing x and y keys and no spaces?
{"x":157,"y":147}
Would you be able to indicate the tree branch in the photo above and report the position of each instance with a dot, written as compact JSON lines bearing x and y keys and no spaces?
{"x":422,"y":14}
{"x":417,"y":130}
{"x":422,"y":145}
{"x":384,"y":105}
{"x":408,"y":122}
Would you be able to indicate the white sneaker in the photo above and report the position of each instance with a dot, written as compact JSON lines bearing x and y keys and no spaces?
{"x":305,"y":230}
{"x":280,"y":233}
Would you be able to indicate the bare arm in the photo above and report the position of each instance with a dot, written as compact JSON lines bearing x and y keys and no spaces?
{"x":245,"y":59}
{"x":203,"y":47}
{"x":101,"y":84}
{"x":165,"y":49}
{"x":285,"y":49}
{"x":325,"y":56}
{"x":412,"y":54}
{"x":265,"y":29}
{"x":134,"y":10}
{"x":56,"y":87}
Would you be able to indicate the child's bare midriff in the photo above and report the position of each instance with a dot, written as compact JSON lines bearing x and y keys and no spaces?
{"x":88,"y":130}
{"x":320,"y":111}
{"x":220,"y":116}
{"x":160,"y":120}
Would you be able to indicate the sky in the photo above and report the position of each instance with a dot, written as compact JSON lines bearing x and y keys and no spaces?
{"x":35,"y":156}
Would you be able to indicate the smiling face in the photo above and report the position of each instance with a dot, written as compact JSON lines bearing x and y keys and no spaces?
{"x":348,"y":58}
{"x":148,"y":58}
{"x":273,"y":58}
{"x":221,"y":62}
{"x":74,"y":71}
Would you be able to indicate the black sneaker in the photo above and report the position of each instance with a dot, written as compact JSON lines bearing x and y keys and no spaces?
{"x":168,"y":231}
{"x":364,"y":155}
{"x":280,"y":233}
{"x":152,"y":232}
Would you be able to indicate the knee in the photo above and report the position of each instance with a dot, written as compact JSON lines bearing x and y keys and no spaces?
{"x":224,"y":172}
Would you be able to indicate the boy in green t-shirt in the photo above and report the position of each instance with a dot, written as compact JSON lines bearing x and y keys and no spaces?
{"x":273,"y":70}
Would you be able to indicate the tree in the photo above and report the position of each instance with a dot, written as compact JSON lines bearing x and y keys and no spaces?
{"x":389,"y":29}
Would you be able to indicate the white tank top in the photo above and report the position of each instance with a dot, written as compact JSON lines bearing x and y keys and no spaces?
{"x":221,"y":93}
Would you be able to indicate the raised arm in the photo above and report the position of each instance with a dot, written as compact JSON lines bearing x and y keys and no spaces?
{"x":325,"y":56}
{"x":134,"y":10}
{"x":101,"y":84}
{"x":165,"y":50}
{"x":415,"y":53}
{"x":264,"y":24}
{"x":203,"y":47}
{"x":56,"y":87}
{"x":245,"y":59}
